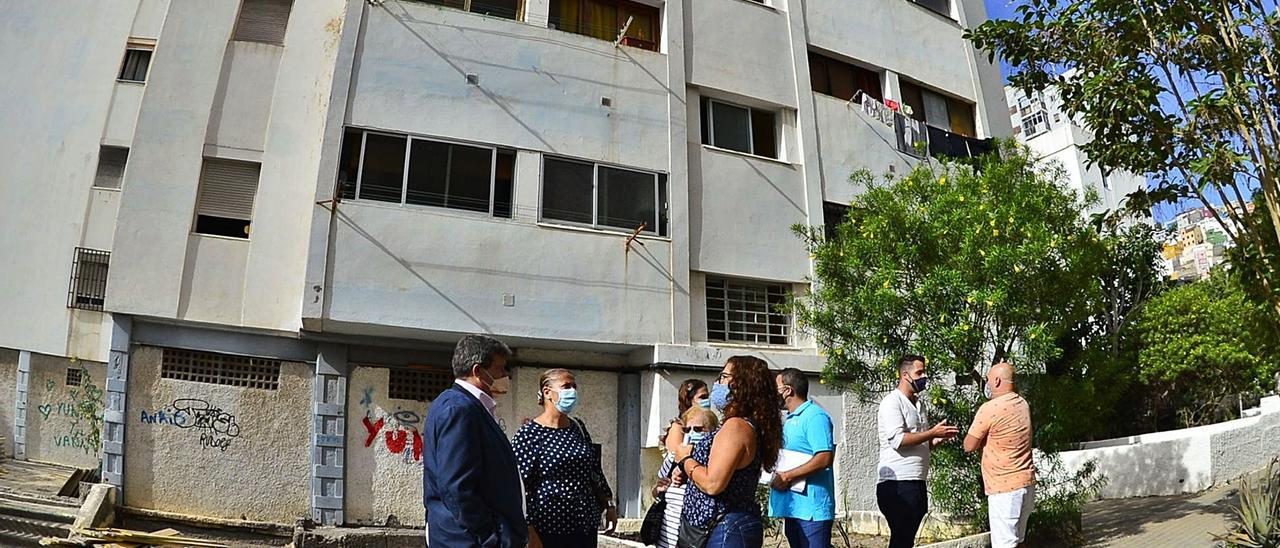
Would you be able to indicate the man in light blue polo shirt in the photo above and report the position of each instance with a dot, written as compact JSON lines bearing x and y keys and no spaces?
{"x":807,"y":429}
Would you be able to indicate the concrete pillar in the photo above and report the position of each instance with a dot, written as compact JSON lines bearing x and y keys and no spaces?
{"x":20,"y":406}
{"x":113,"y":417}
{"x":629,"y":485}
{"x":329,"y":426}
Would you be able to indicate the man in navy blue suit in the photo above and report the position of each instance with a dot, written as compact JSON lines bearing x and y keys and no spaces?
{"x":470,"y":484}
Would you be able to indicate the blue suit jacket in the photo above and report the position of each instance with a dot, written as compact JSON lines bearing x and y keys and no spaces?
{"x":470,"y":483}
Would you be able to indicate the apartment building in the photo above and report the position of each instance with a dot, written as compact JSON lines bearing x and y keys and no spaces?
{"x":1039,"y":121}
{"x":245,"y":234}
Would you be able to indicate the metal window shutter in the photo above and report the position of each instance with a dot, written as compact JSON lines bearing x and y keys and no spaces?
{"x":227,"y":189}
{"x":263,"y":21}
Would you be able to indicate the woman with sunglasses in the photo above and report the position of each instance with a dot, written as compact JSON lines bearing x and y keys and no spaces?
{"x":698,"y":422}
{"x":720,"y":508}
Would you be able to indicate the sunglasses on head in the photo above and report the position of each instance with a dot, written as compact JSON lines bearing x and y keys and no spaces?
{"x":687,"y":429}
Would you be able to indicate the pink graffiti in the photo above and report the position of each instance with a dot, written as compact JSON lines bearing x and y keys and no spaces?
{"x":396,"y":440}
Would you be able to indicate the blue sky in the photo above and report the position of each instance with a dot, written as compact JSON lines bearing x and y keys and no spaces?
{"x":999,"y":9}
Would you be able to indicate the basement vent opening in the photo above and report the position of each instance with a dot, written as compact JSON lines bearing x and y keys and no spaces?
{"x":224,"y":369}
{"x":418,"y":384}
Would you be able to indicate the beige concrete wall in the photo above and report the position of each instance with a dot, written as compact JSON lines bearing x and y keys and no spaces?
{"x":8,"y":385}
{"x":256,"y":470}
{"x":64,"y":423}
{"x":384,"y":458}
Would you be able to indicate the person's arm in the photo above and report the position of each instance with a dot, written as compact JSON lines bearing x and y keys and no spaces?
{"x":730,"y":447}
{"x":458,"y":477}
{"x":977,"y":436}
{"x":819,"y":436}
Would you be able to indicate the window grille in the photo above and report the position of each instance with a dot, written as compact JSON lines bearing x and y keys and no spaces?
{"x":88,"y":279}
{"x":747,"y":312}
{"x":74,"y":376}
{"x":224,"y":369}
{"x":418,"y":384}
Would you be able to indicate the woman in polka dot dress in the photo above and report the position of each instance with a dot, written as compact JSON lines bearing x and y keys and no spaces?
{"x":565,"y":488}
{"x":724,"y":468}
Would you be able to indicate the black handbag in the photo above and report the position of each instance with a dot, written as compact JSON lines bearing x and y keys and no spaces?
{"x":692,"y":536}
{"x":651,"y":527}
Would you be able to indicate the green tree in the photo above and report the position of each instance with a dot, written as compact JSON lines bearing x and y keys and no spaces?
{"x":952,"y":261}
{"x":1185,"y":91}
{"x":1202,"y":341}
{"x":960,"y":262}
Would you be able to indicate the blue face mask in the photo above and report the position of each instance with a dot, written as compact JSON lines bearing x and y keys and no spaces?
{"x":568,"y":400}
{"x":695,"y":437}
{"x":704,"y":403}
{"x":720,"y":396}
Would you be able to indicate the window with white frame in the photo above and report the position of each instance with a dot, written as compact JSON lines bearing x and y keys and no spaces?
{"x":137,"y":59}
{"x":749,"y":312}
{"x":740,"y":128}
{"x":410,"y":170}
{"x":603,"y":196}
{"x":1035,"y":124}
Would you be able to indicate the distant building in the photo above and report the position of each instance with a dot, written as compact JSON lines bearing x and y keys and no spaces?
{"x":1040,"y":123}
{"x":1197,"y":243}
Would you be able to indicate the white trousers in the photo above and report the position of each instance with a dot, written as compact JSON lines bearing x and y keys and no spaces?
{"x":1009,"y":513}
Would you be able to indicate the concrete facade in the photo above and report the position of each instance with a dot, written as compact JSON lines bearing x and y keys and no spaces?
{"x":8,"y":404}
{"x":389,"y":284}
{"x":65,"y":401}
{"x":188,"y":440}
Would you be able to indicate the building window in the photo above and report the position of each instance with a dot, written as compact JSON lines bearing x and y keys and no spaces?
{"x":842,"y":80}
{"x":224,"y":205}
{"x":409,"y":170}
{"x":419,"y":384}
{"x":939,"y":110}
{"x":604,"y":19}
{"x":603,"y":196}
{"x":111,"y":161}
{"x":262,"y":21}
{"x":735,"y":127}
{"x":215,"y":368}
{"x":74,"y":376}
{"x":1034,"y":124}
{"x":506,"y":9}
{"x":747,"y":312}
{"x":941,"y":7}
{"x":88,"y":279}
{"x":135,"y":65}
{"x":833,"y":215}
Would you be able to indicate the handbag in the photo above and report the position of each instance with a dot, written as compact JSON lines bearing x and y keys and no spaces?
{"x":692,"y":536}
{"x":651,"y":527}
{"x":598,"y":482}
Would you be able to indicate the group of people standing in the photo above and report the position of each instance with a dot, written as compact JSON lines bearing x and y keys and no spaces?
{"x":547,"y":486}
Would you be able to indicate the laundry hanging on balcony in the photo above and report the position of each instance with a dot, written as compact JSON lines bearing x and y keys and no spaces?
{"x":946,"y":143}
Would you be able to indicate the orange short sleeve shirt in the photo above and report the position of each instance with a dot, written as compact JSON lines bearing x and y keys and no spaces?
{"x":1005,"y":423}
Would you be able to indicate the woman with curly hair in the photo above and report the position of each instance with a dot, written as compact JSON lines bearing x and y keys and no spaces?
{"x":720,"y":508}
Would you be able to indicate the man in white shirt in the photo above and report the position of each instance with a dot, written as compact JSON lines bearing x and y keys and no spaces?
{"x":901,"y":491}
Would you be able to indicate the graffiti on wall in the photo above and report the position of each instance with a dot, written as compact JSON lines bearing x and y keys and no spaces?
{"x":79,"y":407}
{"x":398,"y":431}
{"x":216,"y":426}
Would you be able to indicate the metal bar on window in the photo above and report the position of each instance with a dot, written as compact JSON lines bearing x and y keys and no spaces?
{"x":364,"y":141}
{"x":493,"y":180}
{"x":404,"y":171}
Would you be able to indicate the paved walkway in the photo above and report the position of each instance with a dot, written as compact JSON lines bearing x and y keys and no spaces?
{"x":1175,"y":521}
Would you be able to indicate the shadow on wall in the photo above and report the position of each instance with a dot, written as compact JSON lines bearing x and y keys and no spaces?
{"x":1164,"y":468}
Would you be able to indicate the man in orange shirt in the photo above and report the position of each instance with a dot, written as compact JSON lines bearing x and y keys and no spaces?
{"x":1002,"y":428}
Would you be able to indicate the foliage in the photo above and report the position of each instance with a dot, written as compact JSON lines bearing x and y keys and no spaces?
{"x":1257,"y":512}
{"x":952,"y":261}
{"x":1060,"y":499}
{"x":960,"y":263}
{"x":1187,"y":92}
{"x":1202,"y":341}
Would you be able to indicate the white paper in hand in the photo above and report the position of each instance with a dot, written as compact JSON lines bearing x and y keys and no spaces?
{"x":788,"y":460}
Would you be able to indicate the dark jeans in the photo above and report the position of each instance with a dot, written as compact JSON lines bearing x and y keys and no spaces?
{"x":577,"y":540}
{"x":904,"y":504}
{"x":802,"y":533}
{"x":738,"y":530}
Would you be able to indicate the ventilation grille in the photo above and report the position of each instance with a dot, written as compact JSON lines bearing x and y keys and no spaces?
{"x":224,"y":369}
{"x":418,"y":384}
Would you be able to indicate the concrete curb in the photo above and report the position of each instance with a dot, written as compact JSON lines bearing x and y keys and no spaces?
{"x":980,"y":540}
{"x":99,"y":508}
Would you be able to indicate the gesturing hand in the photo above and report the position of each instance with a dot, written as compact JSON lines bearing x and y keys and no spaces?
{"x":943,"y":431}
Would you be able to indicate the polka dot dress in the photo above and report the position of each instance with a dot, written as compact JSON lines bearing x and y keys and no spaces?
{"x":557,"y":466}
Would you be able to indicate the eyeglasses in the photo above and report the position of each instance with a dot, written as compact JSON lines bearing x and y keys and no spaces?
{"x":687,"y":429}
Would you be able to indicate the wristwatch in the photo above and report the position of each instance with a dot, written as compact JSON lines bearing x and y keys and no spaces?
{"x":612,"y":504}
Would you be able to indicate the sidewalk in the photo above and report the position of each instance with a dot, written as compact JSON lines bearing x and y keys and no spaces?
{"x":1181,"y":520}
